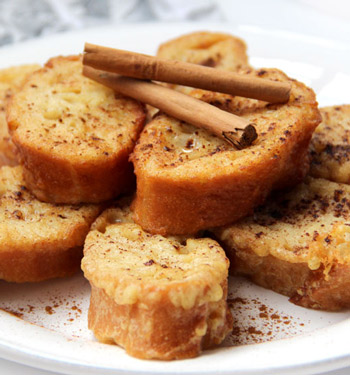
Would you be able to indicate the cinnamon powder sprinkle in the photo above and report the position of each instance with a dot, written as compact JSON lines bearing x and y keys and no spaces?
{"x":255,"y":322}
{"x":49,"y":310}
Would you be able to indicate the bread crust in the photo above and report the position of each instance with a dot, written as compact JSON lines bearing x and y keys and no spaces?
{"x":11,"y":79}
{"x":73,"y":135}
{"x":188,"y":180}
{"x":329,"y":147}
{"x":297,"y":245}
{"x":23,"y":265}
{"x":158,"y":298}
{"x":304,"y":287}
{"x":38,"y":241}
{"x":129,"y":327}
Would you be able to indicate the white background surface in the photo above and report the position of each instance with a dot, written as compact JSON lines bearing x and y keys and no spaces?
{"x":326,"y":19}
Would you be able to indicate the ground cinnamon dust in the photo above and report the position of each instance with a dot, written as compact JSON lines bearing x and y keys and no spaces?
{"x":255,"y":322}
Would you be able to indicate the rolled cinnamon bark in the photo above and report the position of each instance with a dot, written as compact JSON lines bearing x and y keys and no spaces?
{"x":141,"y":66}
{"x":234,"y":129}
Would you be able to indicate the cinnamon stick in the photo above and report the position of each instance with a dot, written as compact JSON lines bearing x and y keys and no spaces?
{"x":235,"y":130}
{"x":141,"y":66}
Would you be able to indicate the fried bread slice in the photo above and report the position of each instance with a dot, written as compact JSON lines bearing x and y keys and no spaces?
{"x":73,"y":135}
{"x":11,"y":79}
{"x":38,"y":241}
{"x":161,"y":298}
{"x":297,"y":244}
{"x":188,"y":179}
{"x":330,"y":145}
{"x":216,"y":50}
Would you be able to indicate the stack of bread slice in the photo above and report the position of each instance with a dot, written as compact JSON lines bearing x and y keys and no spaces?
{"x":158,"y":288}
{"x":72,"y":138}
{"x":188,"y":180}
{"x":160,"y":296}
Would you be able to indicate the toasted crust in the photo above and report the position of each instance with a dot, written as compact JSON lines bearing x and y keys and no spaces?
{"x":162,"y":298}
{"x":330,"y":145}
{"x":189,"y":180}
{"x":11,"y":79}
{"x":73,"y":135}
{"x":297,"y":244}
{"x":38,"y":241}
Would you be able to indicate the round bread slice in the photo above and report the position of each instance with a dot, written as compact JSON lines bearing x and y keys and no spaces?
{"x":73,"y":135}
{"x":161,"y":298}
{"x":298,"y":244}
{"x":11,"y":79}
{"x":216,"y":50}
{"x":38,"y":241}
{"x":330,"y":145}
{"x":188,"y":179}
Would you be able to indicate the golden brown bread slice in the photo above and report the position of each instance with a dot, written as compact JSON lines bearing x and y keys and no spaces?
{"x":189,"y":180}
{"x":38,"y":241}
{"x":73,"y":135}
{"x":11,"y":79}
{"x":217,"y":50}
{"x":162,"y":298}
{"x":330,"y":145}
{"x":298,"y":244}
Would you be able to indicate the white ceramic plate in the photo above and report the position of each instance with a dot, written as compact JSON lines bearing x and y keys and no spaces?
{"x":44,"y":325}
